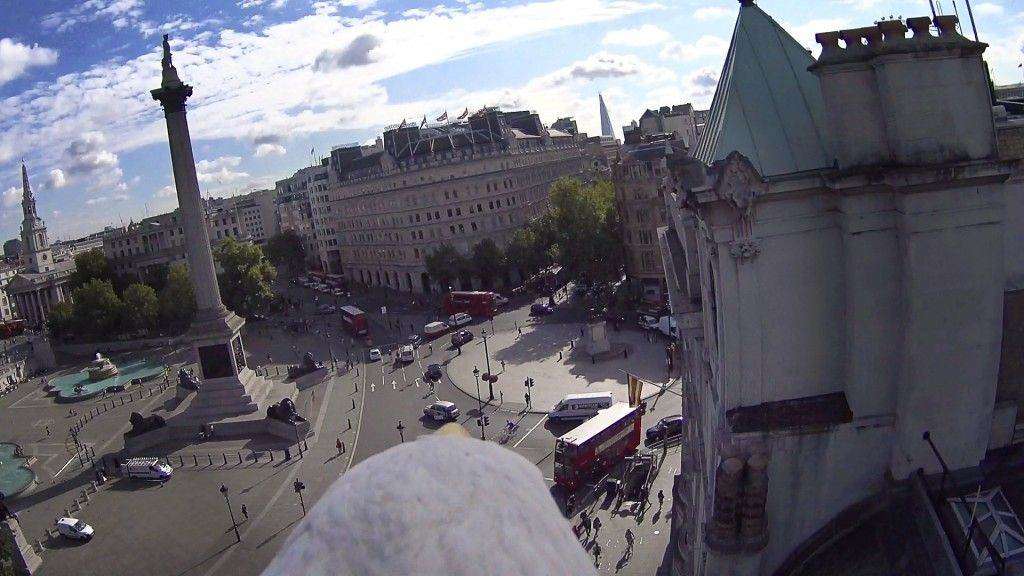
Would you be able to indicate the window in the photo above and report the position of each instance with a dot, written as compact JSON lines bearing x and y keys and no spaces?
{"x":473,"y":226}
{"x":449,"y":212}
{"x":458,"y":211}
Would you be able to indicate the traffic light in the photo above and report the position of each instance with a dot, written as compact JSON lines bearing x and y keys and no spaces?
{"x":299,"y":486}
{"x":487,"y":421}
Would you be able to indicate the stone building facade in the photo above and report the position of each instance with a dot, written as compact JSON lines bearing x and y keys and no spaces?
{"x":293,"y":208}
{"x":841,"y":262}
{"x":382,"y":213}
{"x":41,"y":284}
{"x":639,"y":176}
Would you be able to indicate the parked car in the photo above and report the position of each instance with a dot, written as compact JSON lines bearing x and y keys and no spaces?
{"x":667,"y":427}
{"x":374,"y":354}
{"x":74,"y":529}
{"x":338,"y":292}
{"x":433,"y":373}
{"x":648,"y":322}
{"x":459,"y":319}
{"x":500,"y":300}
{"x":435,"y":328}
{"x":461,"y":337}
{"x":407,"y":354}
{"x":415,"y":340}
{"x":326,"y":308}
{"x":442,"y":411}
{"x":539,"y":309}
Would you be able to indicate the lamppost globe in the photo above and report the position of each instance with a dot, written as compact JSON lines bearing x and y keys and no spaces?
{"x":224,"y":490}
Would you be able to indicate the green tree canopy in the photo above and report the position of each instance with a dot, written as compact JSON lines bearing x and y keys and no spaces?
{"x":89,"y":265}
{"x":97,"y":309}
{"x":141,"y":307}
{"x":585,"y":228}
{"x":445,"y":264}
{"x":487,"y":260}
{"x":177,"y":299}
{"x":245,"y":278}
{"x":61,"y":319}
{"x":286,"y":249}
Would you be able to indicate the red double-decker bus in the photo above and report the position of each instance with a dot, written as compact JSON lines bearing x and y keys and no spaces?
{"x":11,"y":328}
{"x":355,"y":320}
{"x":597,"y":444}
{"x":480,"y":304}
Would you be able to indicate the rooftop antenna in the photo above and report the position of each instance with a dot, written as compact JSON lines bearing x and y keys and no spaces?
{"x":957,"y":13}
{"x":931,"y":4}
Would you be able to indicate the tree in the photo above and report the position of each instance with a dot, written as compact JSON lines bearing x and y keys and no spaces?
{"x":61,"y":319}
{"x":583,"y":221}
{"x":245,"y":278}
{"x":97,"y":309}
{"x":286,"y":249}
{"x":177,"y":299}
{"x":445,"y":264}
{"x":89,"y":265}
{"x":488,"y":261}
{"x":526,"y":251}
{"x":141,"y":307}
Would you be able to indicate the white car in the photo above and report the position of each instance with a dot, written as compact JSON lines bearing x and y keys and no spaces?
{"x":648,"y":322}
{"x":74,"y":529}
{"x":460,"y":319}
{"x":442,"y":411}
{"x":374,"y":354}
{"x":407,"y":353}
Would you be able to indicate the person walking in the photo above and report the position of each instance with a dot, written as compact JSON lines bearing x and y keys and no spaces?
{"x":587,"y":526}
{"x":339,"y":445}
{"x":629,"y":544}
{"x":597,"y":526}
{"x":597,"y":553}
{"x":245,"y":512}
{"x":501,"y":396}
{"x":661,"y":498}
{"x":570,"y":504}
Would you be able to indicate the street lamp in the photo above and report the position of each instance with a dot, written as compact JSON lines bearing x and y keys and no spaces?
{"x":480,"y":404}
{"x":224,"y":491}
{"x":299,"y":487}
{"x":489,"y":375}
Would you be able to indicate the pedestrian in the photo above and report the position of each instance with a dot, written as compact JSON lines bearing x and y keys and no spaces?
{"x":570,"y":504}
{"x":585,"y":518}
{"x":559,"y":354}
{"x":338,"y":444}
{"x":572,"y":344}
{"x":597,"y":552}
{"x":47,"y":430}
{"x":501,"y":396}
{"x":661,"y":498}
{"x":597,"y":526}
{"x":245,"y":512}
{"x":502,"y":365}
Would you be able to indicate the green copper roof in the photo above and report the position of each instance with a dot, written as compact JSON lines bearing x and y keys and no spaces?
{"x":767,"y":105}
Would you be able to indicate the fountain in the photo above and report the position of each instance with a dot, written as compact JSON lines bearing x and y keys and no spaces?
{"x":15,"y":474}
{"x":101,"y":369}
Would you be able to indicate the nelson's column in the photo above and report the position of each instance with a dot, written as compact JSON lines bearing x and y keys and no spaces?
{"x":228,"y":388}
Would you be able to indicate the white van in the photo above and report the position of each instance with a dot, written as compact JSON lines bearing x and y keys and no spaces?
{"x":146,"y":469}
{"x":435,"y":328}
{"x":407,"y":354}
{"x":581,"y":406}
{"x":459,"y":319}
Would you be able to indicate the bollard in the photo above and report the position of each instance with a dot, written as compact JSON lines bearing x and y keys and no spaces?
{"x":239,"y":457}
{"x":353,"y":403}
{"x":271,"y":452}
{"x":349,"y":423}
{"x":225,"y":459}
{"x":181,"y":459}
{"x":195,"y":459}
{"x":210,"y":458}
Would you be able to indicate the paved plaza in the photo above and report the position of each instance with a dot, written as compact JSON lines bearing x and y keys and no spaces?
{"x":184,"y":526}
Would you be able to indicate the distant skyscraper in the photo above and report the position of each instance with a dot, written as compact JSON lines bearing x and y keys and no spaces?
{"x":606,"y":121}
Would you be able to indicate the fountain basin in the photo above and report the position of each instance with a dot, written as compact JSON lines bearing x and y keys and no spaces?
{"x":15,"y":475}
{"x":79,"y":385}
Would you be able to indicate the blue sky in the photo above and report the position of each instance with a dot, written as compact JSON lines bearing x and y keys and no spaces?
{"x":275,"y":78}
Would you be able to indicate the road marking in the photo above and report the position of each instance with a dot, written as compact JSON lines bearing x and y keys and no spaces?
{"x":323,"y":409}
{"x":394,"y":385}
{"x":528,"y":432}
{"x":417,"y":382}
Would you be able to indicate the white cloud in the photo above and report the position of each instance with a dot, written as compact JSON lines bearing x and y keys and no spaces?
{"x":88,"y":158}
{"x":121,"y":13}
{"x":252,"y":21}
{"x":219,"y":170}
{"x":269,"y":149}
{"x":57,"y":178}
{"x":606,"y":65}
{"x":703,"y":47}
{"x":16,"y":58}
{"x":988,"y":9}
{"x":646,"y":35}
{"x":263,"y":80}
{"x":12,"y":196}
{"x":272,"y":4}
{"x":166,"y":192}
{"x":359,"y":52}
{"x":713,"y":12}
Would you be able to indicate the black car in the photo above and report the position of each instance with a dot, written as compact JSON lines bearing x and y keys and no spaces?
{"x":433,"y":373}
{"x":539,"y":309}
{"x":461,"y":337}
{"x":665,"y":428}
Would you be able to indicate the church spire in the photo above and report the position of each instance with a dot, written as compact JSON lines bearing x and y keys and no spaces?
{"x":28,"y":202}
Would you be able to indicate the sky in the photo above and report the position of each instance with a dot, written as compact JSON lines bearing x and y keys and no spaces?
{"x":279,"y":82}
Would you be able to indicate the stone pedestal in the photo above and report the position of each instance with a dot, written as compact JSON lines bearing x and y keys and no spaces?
{"x":26,"y":560}
{"x":597,"y":338}
{"x":42,"y":353}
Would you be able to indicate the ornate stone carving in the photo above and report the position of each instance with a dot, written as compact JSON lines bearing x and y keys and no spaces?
{"x":739,"y":182}
{"x":745,"y":249}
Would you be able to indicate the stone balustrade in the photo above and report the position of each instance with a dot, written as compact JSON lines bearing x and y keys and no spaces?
{"x":890,"y":37}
